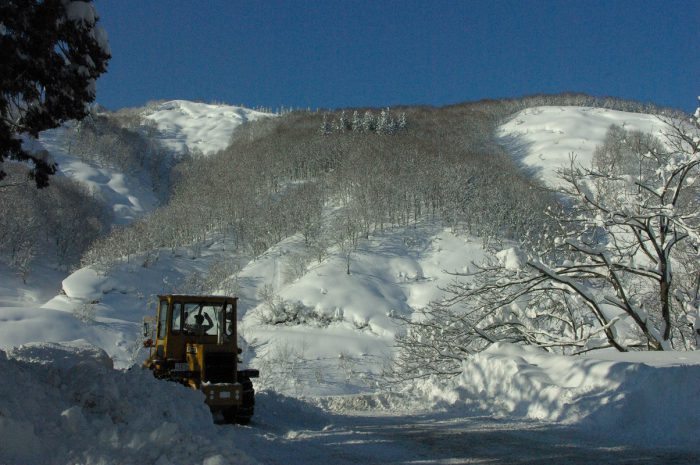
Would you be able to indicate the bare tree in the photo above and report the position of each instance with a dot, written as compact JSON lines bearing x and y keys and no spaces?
{"x":629,"y":223}
{"x":616,"y":265}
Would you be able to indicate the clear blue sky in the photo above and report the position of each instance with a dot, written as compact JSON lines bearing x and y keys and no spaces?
{"x":332,"y":54}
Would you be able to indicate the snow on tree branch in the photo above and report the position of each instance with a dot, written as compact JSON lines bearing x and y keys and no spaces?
{"x":617,"y":265}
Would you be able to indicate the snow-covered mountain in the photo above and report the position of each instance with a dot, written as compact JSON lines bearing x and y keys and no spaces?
{"x":398,"y":272}
{"x":180,"y":126}
{"x":184,"y":125}
{"x":339,"y":346}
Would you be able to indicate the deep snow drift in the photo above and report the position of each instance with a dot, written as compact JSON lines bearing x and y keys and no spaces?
{"x":92,"y":414}
{"x":654,"y":402}
{"x":64,"y":403}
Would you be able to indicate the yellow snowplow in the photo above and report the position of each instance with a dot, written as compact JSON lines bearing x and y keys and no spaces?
{"x":193,"y":340}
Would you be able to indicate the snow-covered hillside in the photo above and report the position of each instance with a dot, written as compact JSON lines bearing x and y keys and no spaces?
{"x":348,"y":336}
{"x":313,"y":332}
{"x":128,"y":197}
{"x":348,"y":319}
{"x":180,"y":127}
{"x":542,"y":139}
{"x":185,"y":125}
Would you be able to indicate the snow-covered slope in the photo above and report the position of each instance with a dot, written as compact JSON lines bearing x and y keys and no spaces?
{"x":128,"y":197}
{"x":348,"y":328}
{"x":185,"y":125}
{"x":349,"y":333}
{"x":543,"y":138}
{"x":182,"y":126}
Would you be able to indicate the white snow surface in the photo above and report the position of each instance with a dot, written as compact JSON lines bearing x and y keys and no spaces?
{"x":654,"y":396}
{"x":92,"y":414}
{"x":542,"y":139}
{"x":207,"y":128}
{"x":396,"y":272}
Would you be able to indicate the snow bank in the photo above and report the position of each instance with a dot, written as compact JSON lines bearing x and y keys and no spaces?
{"x":190,"y":126}
{"x":543,"y":138}
{"x":19,"y":325}
{"x":631,"y":401}
{"x":64,"y":404}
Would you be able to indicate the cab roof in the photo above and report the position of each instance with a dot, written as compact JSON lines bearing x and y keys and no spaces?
{"x":197,"y":298}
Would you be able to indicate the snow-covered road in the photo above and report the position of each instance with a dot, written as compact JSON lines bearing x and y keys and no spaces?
{"x":297,"y":434}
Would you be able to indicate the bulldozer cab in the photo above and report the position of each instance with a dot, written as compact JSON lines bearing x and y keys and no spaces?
{"x":185,"y":319}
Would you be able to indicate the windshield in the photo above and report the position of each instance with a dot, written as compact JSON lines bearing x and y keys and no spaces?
{"x":205,"y":318}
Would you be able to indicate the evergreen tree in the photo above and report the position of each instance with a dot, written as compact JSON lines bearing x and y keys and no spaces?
{"x":402,"y":121}
{"x":325,"y":126}
{"x":356,"y":121}
{"x":368,"y":122}
{"x":51,"y":53}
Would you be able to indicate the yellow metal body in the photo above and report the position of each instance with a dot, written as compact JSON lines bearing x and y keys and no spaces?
{"x":207,"y":361}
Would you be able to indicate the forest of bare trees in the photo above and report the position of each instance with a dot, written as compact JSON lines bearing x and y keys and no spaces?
{"x":58,"y":222}
{"x":278,"y":175}
{"x":420,"y":162}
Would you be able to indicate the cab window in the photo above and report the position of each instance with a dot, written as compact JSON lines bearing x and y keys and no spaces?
{"x":177,"y":318}
{"x":162,"y":318}
{"x":229,"y":319}
{"x":201,"y":319}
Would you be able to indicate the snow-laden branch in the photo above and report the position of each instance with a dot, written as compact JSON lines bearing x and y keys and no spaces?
{"x":616,"y":266}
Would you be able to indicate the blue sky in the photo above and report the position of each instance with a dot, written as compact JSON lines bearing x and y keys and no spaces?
{"x":332,"y":54}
